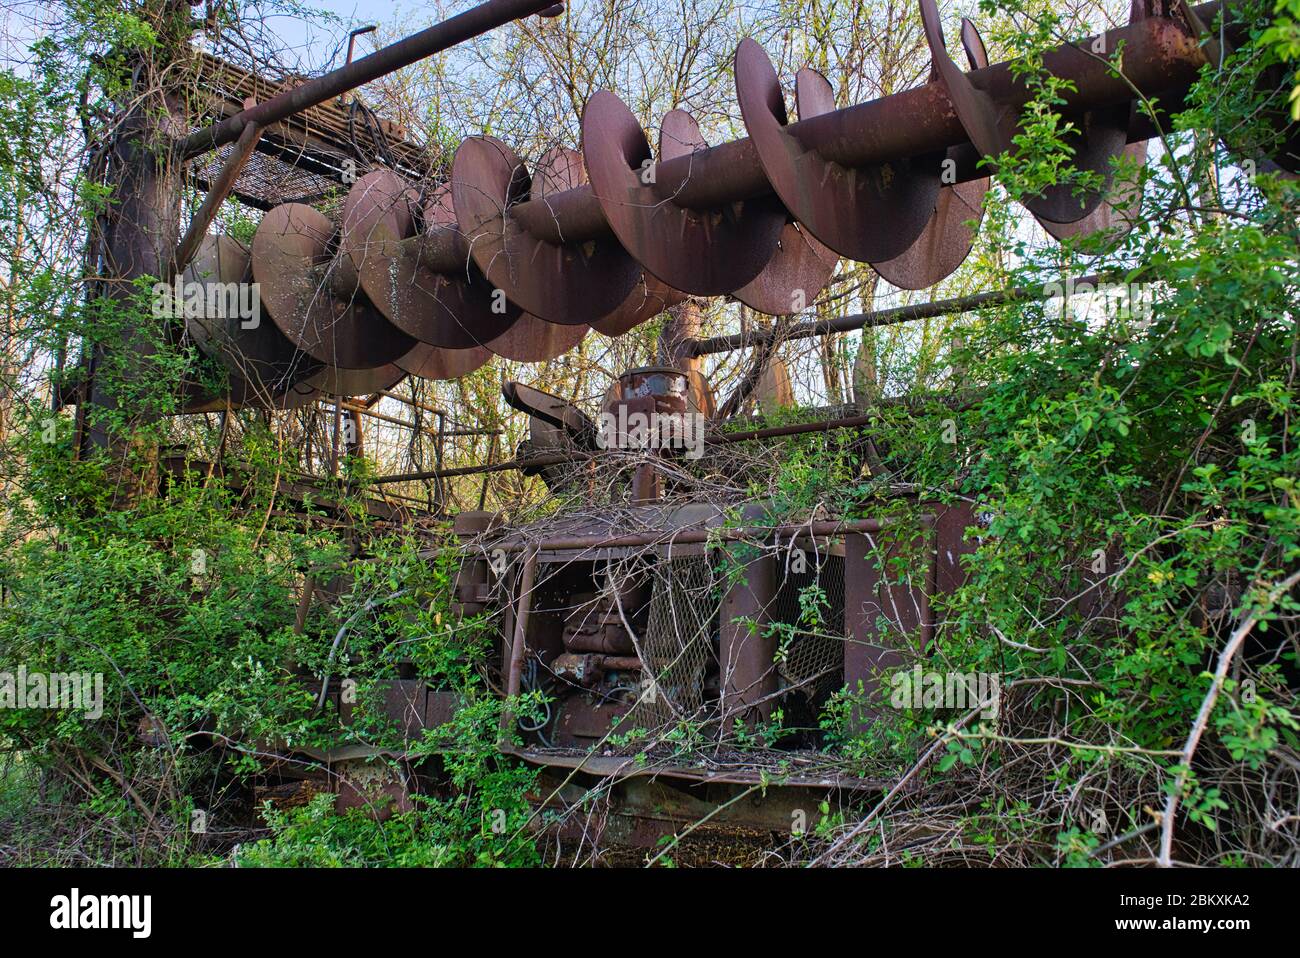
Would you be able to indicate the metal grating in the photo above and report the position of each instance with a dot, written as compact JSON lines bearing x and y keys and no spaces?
{"x":676,"y":647}
{"x":307,"y":158}
{"x":267,"y":181}
{"x":811,"y":661}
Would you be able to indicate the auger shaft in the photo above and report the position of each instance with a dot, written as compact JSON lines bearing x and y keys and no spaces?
{"x":606,"y":237}
{"x":1159,"y":55}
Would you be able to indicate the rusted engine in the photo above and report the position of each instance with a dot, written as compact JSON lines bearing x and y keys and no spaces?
{"x":665,"y":617}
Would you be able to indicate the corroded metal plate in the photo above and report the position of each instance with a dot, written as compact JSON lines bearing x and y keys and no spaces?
{"x":868,"y":214}
{"x":703,"y":253}
{"x":570,"y":284}
{"x":292,"y":256}
{"x":453,"y":309}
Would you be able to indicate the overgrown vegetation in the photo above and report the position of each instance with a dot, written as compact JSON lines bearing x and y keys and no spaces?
{"x":1134,"y":468}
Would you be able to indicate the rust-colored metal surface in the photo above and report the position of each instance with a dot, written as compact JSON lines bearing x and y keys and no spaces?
{"x":700,"y":396}
{"x":1117,"y":213}
{"x":800,"y":267}
{"x":561,"y":170}
{"x":1101,"y":134}
{"x":887,"y":613}
{"x":533,"y":340}
{"x":497,"y":260}
{"x":867,"y":213}
{"x":430,"y":362}
{"x":570,"y":284}
{"x":950,"y":233}
{"x":775,"y":389}
{"x":558,"y":412}
{"x":298,"y":396}
{"x":423,"y":283}
{"x":291,"y":251}
{"x":249,"y":347}
{"x":334,"y":381}
{"x":649,"y":298}
{"x":746,"y":651}
{"x":590,"y":630}
{"x":706,"y":253}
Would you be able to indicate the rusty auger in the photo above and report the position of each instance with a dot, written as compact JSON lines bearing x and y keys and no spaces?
{"x":432,"y":280}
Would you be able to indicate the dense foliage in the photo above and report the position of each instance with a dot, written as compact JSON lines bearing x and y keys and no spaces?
{"x":1135,"y":470}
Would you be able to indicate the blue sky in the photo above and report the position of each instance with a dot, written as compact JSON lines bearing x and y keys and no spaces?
{"x":315,"y":41}
{"x":311,"y":44}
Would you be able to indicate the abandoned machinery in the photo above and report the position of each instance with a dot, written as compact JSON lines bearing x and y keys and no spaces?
{"x":627,"y":623}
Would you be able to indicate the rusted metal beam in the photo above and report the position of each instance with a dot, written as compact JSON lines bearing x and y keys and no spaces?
{"x":519,"y":640}
{"x":557,"y":459}
{"x":797,"y":429}
{"x":352,"y":39}
{"x":696,"y":536}
{"x":563,"y":458}
{"x":746,"y":647}
{"x":362,"y":410}
{"x":872,"y":595}
{"x":218,"y":191}
{"x":440,"y":36}
{"x":383,"y":417}
{"x":408,"y":400}
{"x":883,"y":317}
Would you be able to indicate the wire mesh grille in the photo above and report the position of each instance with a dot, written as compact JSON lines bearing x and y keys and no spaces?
{"x":676,"y":647}
{"x":267,"y":181}
{"x":312,"y":156}
{"x":811,"y":657}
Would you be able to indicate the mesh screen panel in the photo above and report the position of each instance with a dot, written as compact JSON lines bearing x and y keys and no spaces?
{"x":812,"y":660}
{"x":677,"y":647}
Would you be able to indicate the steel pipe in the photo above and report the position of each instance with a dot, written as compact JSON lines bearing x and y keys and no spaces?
{"x":883,"y":317}
{"x":828,"y":527}
{"x":1159,"y":55}
{"x":440,"y":36}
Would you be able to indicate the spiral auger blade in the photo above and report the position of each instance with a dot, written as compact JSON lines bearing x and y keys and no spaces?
{"x":870,"y":213}
{"x":1099,"y":136}
{"x":395,"y":289}
{"x":531,"y":339}
{"x":260,"y":363}
{"x":433,"y":280}
{"x":413,"y":264}
{"x":313,"y":298}
{"x":562,"y":169}
{"x":799,"y":268}
{"x":1118,"y":211}
{"x":431,"y":362}
{"x":565,"y":283}
{"x":950,"y":234}
{"x":701,"y":252}
{"x":1122,"y":203}
{"x":334,"y":381}
{"x":649,"y":298}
